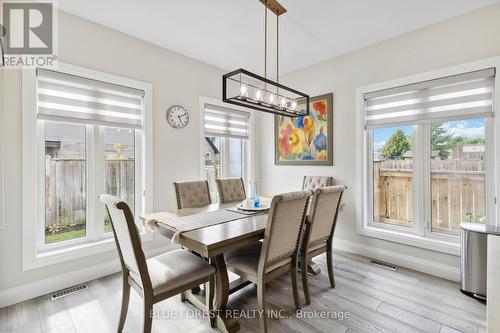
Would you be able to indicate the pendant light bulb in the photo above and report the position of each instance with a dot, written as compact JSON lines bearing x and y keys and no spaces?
{"x":258,"y":95}
{"x":283,"y":102}
{"x":243,"y":90}
{"x":271,"y":98}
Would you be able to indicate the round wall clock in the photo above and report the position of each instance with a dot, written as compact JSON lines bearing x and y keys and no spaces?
{"x":177,"y":116}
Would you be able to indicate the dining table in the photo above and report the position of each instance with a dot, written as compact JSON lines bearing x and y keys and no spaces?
{"x":212,"y":242}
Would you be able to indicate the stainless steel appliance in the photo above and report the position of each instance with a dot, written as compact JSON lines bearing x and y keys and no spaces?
{"x":474,"y":254}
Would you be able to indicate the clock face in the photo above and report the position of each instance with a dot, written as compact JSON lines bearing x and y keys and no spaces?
{"x":177,"y":116}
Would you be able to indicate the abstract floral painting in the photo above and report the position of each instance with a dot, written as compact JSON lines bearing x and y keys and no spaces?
{"x":308,"y":138}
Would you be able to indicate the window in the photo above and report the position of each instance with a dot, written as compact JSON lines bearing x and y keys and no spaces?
{"x":393,"y":176}
{"x":119,"y":166}
{"x":458,"y":191}
{"x":225,"y":149}
{"x":427,"y":156}
{"x":90,"y":130}
{"x":65,"y":181}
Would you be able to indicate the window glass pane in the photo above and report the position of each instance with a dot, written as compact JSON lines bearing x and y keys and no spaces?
{"x":119,"y":159}
{"x":224,"y":158}
{"x":393,"y":176}
{"x":65,"y":181}
{"x":235,"y":161}
{"x":457,"y":174}
{"x":212,"y":153}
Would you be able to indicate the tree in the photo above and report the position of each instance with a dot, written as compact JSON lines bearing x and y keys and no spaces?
{"x":440,"y":140}
{"x":396,"y":146}
{"x":457,"y":140}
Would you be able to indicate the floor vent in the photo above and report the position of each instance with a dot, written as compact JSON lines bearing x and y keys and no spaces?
{"x":384,"y":265}
{"x":68,"y":291}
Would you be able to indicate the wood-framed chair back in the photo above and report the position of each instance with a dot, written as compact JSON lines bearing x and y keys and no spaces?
{"x":231,"y":189}
{"x":323,"y":212}
{"x":310,"y":183}
{"x":192,"y":194}
{"x":282,"y":236}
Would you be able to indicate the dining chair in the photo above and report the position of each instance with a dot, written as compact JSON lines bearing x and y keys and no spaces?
{"x":157,"y":278}
{"x":319,"y":229}
{"x":311,"y":183}
{"x":231,"y":189}
{"x":192,"y":194}
{"x":277,"y":254}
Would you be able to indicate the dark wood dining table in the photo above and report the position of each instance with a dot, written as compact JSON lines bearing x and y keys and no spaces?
{"x":212,"y":242}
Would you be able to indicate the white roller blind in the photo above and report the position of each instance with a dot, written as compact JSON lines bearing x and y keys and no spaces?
{"x":221,"y":121}
{"x":73,"y":98}
{"x":465,"y":95}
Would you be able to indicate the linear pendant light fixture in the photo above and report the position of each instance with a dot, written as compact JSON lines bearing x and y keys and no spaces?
{"x":247,"y":89}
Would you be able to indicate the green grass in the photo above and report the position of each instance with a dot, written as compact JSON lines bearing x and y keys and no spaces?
{"x":59,"y":237}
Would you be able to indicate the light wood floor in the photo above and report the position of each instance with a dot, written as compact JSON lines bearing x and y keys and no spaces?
{"x":378,"y":300}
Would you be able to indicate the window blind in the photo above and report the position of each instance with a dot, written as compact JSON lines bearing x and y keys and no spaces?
{"x":467,"y":95}
{"x":69,"y":97}
{"x":221,"y":121}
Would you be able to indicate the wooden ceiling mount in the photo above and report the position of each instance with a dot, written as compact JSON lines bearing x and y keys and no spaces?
{"x":274,"y":6}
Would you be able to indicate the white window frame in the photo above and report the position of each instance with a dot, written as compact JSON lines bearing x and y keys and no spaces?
{"x":248,"y":147}
{"x":420,"y":235}
{"x":35,"y":252}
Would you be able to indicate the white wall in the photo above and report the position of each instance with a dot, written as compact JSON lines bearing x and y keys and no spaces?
{"x":463,"y":39}
{"x":176,"y":79}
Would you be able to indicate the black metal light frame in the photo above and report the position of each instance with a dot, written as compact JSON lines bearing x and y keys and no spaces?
{"x":260,"y":105}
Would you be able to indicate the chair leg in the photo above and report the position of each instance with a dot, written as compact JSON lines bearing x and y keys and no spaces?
{"x":295,"y":286}
{"x":305,"y":282}
{"x":329,"y":263}
{"x":125,"y":301}
{"x":209,"y":290}
{"x":262,"y":306}
{"x":148,"y":318}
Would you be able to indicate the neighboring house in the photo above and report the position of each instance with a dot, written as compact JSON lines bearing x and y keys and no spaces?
{"x":471,"y":152}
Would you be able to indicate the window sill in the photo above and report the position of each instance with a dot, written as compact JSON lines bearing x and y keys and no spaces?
{"x":59,"y":255}
{"x":412,"y":240}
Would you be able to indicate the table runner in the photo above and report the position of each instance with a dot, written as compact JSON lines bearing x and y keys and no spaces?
{"x":196,"y":221}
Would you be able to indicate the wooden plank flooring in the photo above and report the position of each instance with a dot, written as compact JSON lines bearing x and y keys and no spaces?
{"x":377,"y":299}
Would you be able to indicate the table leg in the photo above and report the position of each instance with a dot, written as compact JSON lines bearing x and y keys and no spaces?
{"x":224,"y":323}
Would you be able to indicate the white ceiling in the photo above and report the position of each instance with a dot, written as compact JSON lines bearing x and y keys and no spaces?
{"x":229,"y":33}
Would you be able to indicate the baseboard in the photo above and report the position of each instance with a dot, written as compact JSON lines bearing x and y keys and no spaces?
{"x":418,"y":264}
{"x":42,"y":287}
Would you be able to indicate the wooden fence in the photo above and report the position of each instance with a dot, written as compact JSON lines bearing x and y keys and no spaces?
{"x":65,"y":185}
{"x":458,"y":193}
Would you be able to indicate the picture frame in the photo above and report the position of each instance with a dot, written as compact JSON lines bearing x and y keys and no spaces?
{"x":301,"y":141}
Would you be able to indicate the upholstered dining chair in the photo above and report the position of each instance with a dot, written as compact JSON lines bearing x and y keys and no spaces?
{"x":157,"y":278}
{"x":277,"y":254}
{"x":310,"y":183}
{"x":192,"y":194}
{"x":320,"y":227}
{"x":231,"y":189}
